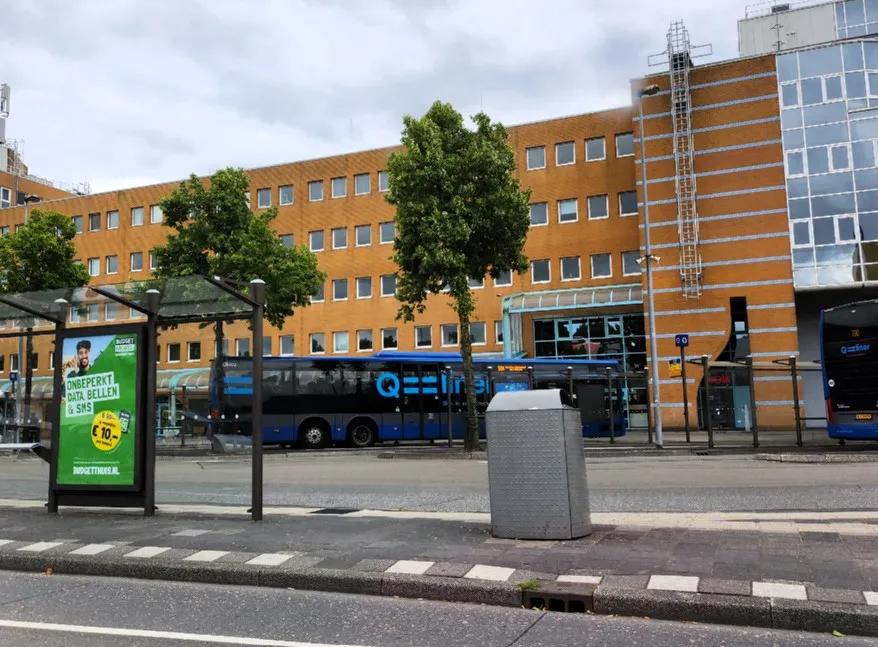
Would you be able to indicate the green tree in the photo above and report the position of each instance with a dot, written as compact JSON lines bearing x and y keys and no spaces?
{"x":40,"y":256}
{"x":460,"y":213}
{"x":215,"y":233}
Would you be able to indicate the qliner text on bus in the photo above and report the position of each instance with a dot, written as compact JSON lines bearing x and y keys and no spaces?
{"x":388,"y":385}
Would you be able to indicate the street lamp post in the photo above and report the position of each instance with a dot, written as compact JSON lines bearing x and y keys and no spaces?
{"x":648,"y":259}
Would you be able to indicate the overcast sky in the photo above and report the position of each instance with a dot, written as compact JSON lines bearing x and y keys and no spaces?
{"x":123,"y":93}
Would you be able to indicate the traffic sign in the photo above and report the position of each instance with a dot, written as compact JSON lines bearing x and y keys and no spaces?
{"x":13,"y":376}
{"x":682,"y":340}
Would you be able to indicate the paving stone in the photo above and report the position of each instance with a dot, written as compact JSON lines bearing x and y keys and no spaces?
{"x":374,"y":565}
{"x":448,"y":569}
{"x":820,"y":594}
{"x":723,"y":587}
{"x":625,"y":581}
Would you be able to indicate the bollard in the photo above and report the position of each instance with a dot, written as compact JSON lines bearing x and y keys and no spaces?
{"x":705,"y":365}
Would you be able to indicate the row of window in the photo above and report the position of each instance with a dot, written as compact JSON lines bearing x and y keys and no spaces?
{"x":598,"y":208}
{"x":389,"y":338}
{"x":110,"y":220}
{"x":111,"y":263}
{"x":339,"y":235}
{"x":594,"y":150}
{"x":338,"y":187}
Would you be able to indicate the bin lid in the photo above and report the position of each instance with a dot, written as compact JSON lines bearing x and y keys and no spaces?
{"x":547,"y":399}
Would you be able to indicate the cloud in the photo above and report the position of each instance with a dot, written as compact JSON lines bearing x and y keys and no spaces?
{"x":112,"y":90}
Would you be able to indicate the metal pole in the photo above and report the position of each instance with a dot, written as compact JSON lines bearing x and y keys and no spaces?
{"x":150,"y":425}
{"x":570,"y":380}
{"x":685,"y":392}
{"x":795,"y":375}
{"x":450,"y":387}
{"x":610,"y":405}
{"x":752,"y":375}
{"x":55,"y":432}
{"x":705,"y":365}
{"x":653,"y":349}
{"x":257,"y":295}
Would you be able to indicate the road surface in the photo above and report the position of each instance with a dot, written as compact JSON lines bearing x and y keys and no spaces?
{"x":61,"y":611}
{"x":627,"y":484}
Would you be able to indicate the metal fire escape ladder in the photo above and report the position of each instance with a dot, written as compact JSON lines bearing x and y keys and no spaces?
{"x":681,"y":115}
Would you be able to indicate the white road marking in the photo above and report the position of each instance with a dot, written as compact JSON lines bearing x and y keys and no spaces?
{"x":493,"y":573}
{"x":269,"y":559}
{"x":581,"y":579}
{"x":40,"y":546}
{"x":3,"y":542}
{"x":148,"y":551}
{"x":206,"y":556}
{"x":684,"y":583}
{"x":410,"y":567}
{"x":92,"y":549}
{"x":163,"y":635}
{"x":190,"y":533}
{"x":871,"y":598}
{"x":777,"y":590}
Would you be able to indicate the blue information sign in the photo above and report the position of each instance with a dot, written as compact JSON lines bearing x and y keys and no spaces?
{"x":682,"y":340}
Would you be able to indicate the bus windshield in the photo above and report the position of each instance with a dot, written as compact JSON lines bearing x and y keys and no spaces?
{"x":850,"y":357}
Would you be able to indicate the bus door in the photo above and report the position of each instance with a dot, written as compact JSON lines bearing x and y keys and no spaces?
{"x":412,"y":402}
{"x":591,"y":397}
{"x":433,"y":424}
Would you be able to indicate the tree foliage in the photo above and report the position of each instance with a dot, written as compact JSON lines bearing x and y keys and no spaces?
{"x":460,"y":213}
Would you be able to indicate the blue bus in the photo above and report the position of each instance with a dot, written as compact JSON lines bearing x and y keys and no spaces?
{"x":849,"y":358}
{"x":313,"y":402}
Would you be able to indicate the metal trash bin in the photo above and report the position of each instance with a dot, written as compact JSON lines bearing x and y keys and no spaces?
{"x":536,"y":466}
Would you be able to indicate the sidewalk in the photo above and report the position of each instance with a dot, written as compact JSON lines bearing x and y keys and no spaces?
{"x":815,"y":571}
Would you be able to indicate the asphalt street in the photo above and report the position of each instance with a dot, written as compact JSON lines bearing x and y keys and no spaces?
{"x":56,"y":611}
{"x":627,"y":484}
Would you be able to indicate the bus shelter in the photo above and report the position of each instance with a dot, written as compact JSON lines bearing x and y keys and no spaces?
{"x":105,"y":352}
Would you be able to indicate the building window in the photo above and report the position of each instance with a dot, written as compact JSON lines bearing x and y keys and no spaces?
{"x":540,"y":271}
{"x":155,"y":214}
{"x":539,"y":214}
{"x":317,"y":343}
{"x":477,"y":284}
{"x":601,"y":266}
{"x":287,"y":344}
{"x":478,"y":333}
{"x":570,"y":268}
{"x":536,"y":158}
{"x":266,"y":346}
{"x":13,"y":362}
{"x":4,"y":230}
{"x":194,"y":351}
{"x":173,"y":353}
{"x":136,"y":261}
{"x":598,"y":207}
{"x":364,"y":287}
{"x":152,"y":261}
{"x":389,"y":339}
{"x":364,"y":340}
{"x":386,"y":232}
{"x":340,"y":238}
{"x":315,"y":241}
{"x":91,"y":312}
{"x":568,"y":210}
{"x":94,"y":267}
{"x":363,"y":235}
{"x":320,"y":295}
{"x":112,"y":264}
{"x":498,"y":331}
{"x":449,"y":334}
{"x":423,"y":336}
{"x":388,"y":285}
{"x":136,"y":216}
{"x":77,"y":222}
{"x":565,"y":154}
{"x":383,"y":181}
{"x":285,"y":194}
{"x":630,"y":267}
{"x":287,"y":240}
{"x":362,"y":184}
{"x":339,"y":186}
{"x":595,"y":149}
{"x":263,"y":198}
{"x":112,"y":220}
{"x":315,"y":190}
{"x":504,"y":279}
{"x":109,"y":311}
{"x":341,"y":342}
{"x":242,"y":347}
{"x":5,"y":198}
{"x":628,"y":203}
{"x":339,"y":289}
{"x":624,"y":144}
{"x":94,"y":222}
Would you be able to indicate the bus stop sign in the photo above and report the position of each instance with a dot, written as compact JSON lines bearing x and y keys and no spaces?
{"x":681,"y":341}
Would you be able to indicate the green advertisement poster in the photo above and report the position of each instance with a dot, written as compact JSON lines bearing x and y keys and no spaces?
{"x":96,"y":439}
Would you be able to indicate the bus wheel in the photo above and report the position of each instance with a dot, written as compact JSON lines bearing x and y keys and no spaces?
{"x":314,"y":435}
{"x":363,"y":433}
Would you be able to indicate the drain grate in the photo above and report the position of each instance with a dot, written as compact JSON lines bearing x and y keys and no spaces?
{"x":561,"y":597}
{"x":336,"y":511}
{"x":703,"y":453}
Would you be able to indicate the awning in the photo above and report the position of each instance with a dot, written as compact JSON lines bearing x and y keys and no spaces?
{"x":611,"y":295}
{"x":194,"y":379}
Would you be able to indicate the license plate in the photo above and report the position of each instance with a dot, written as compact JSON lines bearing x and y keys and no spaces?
{"x":864,"y":416}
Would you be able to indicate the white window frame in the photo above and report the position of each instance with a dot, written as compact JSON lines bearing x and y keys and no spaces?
{"x":527,"y":158}
{"x":153,"y":210}
{"x":383,"y":175}
{"x":798,"y":94}
{"x":97,"y":261}
{"x":810,"y":243}
{"x":357,"y":229}
{"x":152,"y":261}
{"x":381,"y":285}
{"x":280,"y":193}
{"x":633,"y":142}
{"x":140,"y":212}
{"x":530,"y":214}
{"x":381,"y":240}
{"x":131,"y":261}
{"x":311,"y":240}
{"x":371,"y":334}
{"x":484,"y":326}
{"x":259,"y":194}
{"x":107,"y":264}
{"x":280,"y":349}
{"x":578,"y":269}
{"x":311,"y":337}
{"x":338,"y":335}
{"x":606,"y":198}
{"x":417,"y":343}
{"x":826,"y":99}
{"x":242,"y":340}
{"x":332,"y":236}
{"x":5,"y":197}
{"x":316,"y":183}
{"x":368,"y":177}
{"x":572,"y":145}
{"x":476,"y":286}
{"x":575,"y":202}
{"x":371,"y":288}
{"x":109,"y":224}
{"x":637,"y":255}
{"x":168,"y":348}
{"x":604,"y":146}
{"x":548,"y":263}
{"x":332,"y":181}
{"x":396,"y":334}
{"x":497,"y":283}
{"x":347,"y":290}
{"x":803,"y":153}
{"x":442,"y":329}
{"x":189,"y":346}
{"x":498,"y":331}
{"x":110,"y":311}
{"x":591,"y":263}
{"x":314,"y":298}
{"x":626,"y":214}
{"x":292,"y":240}
{"x":91,"y":219}
{"x":838,"y":240}
{"x":850,"y":157}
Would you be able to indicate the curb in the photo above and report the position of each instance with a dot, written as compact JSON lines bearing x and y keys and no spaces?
{"x":823,"y":617}
{"x":818,"y":458}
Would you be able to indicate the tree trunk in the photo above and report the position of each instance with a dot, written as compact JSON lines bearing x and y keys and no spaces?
{"x":471,"y":437}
